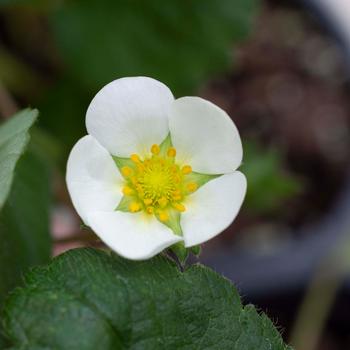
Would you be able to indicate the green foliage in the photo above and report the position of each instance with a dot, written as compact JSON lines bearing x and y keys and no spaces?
{"x":2,"y":340}
{"x":181,"y":43}
{"x":14,"y":137}
{"x":268,"y":185}
{"x":24,"y":226}
{"x":63,"y":109}
{"x":90,"y":43}
{"x":181,"y":252}
{"x":196,"y":250}
{"x":88,"y":299}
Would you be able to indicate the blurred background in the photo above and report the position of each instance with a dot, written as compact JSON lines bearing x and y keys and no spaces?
{"x":280,"y":70}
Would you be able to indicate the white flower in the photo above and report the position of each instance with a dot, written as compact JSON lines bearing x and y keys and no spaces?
{"x":153,"y":170}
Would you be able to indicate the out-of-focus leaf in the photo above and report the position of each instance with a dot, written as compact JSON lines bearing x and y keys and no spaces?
{"x":63,"y":113}
{"x":17,"y":76}
{"x":268,"y":183}
{"x":47,"y":146}
{"x":181,"y":43}
{"x":28,"y":3}
{"x":24,"y":223}
{"x":2,"y":340}
{"x":14,"y":137}
{"x":88,"y":299}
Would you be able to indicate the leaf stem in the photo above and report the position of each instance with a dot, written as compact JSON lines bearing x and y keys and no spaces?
{"x":320,"y":297}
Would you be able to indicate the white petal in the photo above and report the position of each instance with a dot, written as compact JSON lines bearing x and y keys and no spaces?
{"x":133,"y":236}
{"x":204,"y":136}
{"x":129,"y":115}
{"x":93,"y":180}
{"x":212,"y":208}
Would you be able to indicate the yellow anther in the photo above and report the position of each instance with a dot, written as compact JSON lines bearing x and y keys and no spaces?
{"x":177,"y":195}
{"x":148,"y":201}
{"x":127,"y":190}
{"x":192,"y":186}
{"x":174,"y":168}
{"x":126,"y":171}
{"x":135,"y":158}
{"x":187,"y":169}
{"x":177,"y":179}
{"x":163,"y":216}
{"x":134,"y":207}
{"x":157,"y":184}
{"x":155,"y":149}
{"x":179,"y":207}
{"x":162,"y":202}
{"x":139,"y":189}
{"x":150,"y":210}
{"x":140,"y":166}
{"x":171,"y":152}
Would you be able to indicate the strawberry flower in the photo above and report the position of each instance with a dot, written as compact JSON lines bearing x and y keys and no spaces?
{"x":154,"y":170}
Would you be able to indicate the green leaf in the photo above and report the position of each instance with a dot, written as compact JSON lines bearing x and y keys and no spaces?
{"x":2,"y":340}
{"x":14,"y":137}
{"x":63,"y":109}
{"x":182,"y":43}
{"x":89,"y":299}
{"x":24,"y":217}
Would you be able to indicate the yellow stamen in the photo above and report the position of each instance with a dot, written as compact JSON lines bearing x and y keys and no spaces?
{"x":177,"y":195}
{"x":179,"y":207}
{"x":187,"y":169}
{"x":140,"y":167}
{"x":155,"y":149}
{"x":134,"y":207}
{"x":135,"y":158}
{"x":192,"y":186}
{"x":174,"y":168}
{"x":126,"y":171}
{"x":163,"y":216}
{"x":147,"y":201}
{"x":127,"y":190}
{"x":162,"y":202}
{"x":157,"y":184}
{"x":139,"y":189}
{"x":150,"y":210}
{"x":171,"y":152}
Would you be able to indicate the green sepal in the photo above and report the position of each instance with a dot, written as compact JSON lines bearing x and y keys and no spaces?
{"x":124,"y":204}
{"x":165,"y":145}
{"x":199,"y":179}
{"x":181,"y":252}
{"x":121,"y":162}
{"x":174,"y":221}
{"x":196,"y":250}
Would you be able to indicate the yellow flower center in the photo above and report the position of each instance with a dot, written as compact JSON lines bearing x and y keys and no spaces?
{"x":157,"y":184}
